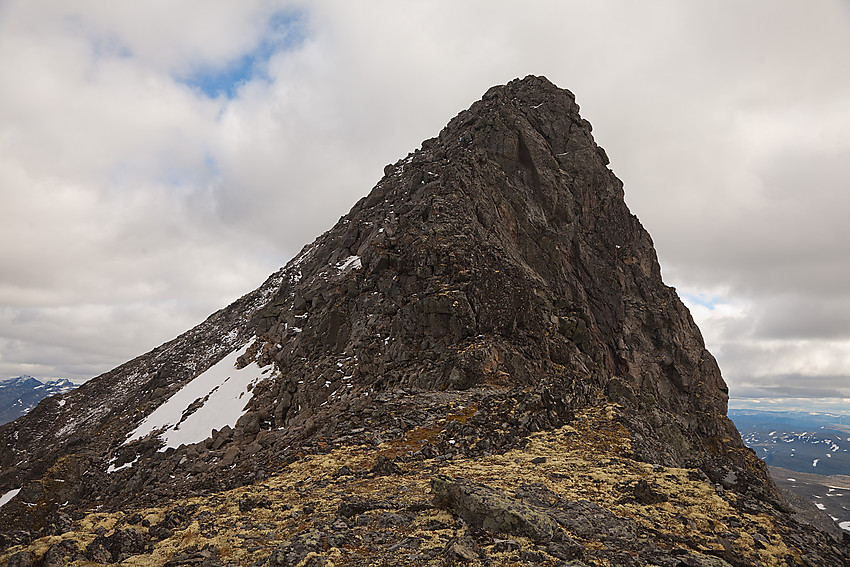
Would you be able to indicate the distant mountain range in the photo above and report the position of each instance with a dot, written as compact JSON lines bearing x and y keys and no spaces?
{"x":817,"y":443}
{"x":19,"y":395}
{"x":808,"y":453}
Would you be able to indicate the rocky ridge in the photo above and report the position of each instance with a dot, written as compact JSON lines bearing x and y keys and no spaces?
{"x":456,"y":331}
{"x":570,"y":496}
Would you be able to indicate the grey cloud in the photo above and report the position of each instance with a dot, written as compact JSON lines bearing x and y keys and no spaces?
{"x":81,"y":341}
{"x":793,"y":238}
{"x":802,"y":316}
{"x":798,"y":386}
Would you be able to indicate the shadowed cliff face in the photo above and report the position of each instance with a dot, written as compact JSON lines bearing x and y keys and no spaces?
{"x":493,"y":285}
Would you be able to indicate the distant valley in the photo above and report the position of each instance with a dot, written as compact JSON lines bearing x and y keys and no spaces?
{"x":808,"y":453}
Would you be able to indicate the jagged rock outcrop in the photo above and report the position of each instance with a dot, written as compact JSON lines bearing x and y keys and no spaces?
{"x":492,"y":287}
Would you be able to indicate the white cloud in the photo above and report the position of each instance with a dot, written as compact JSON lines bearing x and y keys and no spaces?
{"x":133,"y":204}
{"x":758,"y":365}
{"x":109,"y":180}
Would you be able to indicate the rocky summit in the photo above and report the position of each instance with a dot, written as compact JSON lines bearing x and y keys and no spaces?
{"x":479,"y":364}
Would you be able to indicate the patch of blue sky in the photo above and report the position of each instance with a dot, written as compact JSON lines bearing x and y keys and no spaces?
{"x":211,"y":165}
{"x":285,"y":31}
{"x":706,"y":300}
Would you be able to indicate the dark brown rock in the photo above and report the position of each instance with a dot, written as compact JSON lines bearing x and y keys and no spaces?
{"x":385,"y":466}
{"x":61,"y":554}
{"x":646,"y":494}
{"x":117,"y":546}
{"x":248,"y":503}
{"x":462,"y":550}
{"x":207,"y":557}
{"x":21,"y":559}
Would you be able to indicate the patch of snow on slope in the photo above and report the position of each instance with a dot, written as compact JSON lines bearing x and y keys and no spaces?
{"x":222,"y":389}
{"x":112,"y":468}
{"x":8,"y":496}
{"x":348,"y":262}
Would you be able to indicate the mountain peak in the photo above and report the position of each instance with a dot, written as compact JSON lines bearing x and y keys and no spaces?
{"x":492,"y":295}
{"x":21,"y":394}
{"x":19,"y":380}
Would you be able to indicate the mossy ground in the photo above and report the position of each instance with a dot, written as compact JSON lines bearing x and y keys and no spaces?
{"x":585,"y":461}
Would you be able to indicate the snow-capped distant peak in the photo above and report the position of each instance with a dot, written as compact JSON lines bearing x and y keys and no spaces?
{"x":20,"y":395}
{"x":18,"y":380}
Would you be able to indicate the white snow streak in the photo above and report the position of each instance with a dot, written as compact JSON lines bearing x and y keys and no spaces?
{"x":112,"y":468}
{"x":350,"y":261}
{"x":224,"y":388}
{"x":8,"y":496}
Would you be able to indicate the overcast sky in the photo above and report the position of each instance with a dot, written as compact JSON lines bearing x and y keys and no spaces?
{"x":159,"y":159}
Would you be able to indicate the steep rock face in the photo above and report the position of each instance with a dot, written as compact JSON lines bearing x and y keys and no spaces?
{"x":503,"y":253}
{"x":491,"y":285}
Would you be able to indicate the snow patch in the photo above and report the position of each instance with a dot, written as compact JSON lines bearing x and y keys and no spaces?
{"x":8,"y":496}
{"x":220,"y":391}
{"x":348,"y":262}
{"x":112,"y":468}
{"x":66,"y":429}
{"x":844,"y":526}
{"x":815,"y":462}
{"x":820,"y":506}
{"x":305,"y":253}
